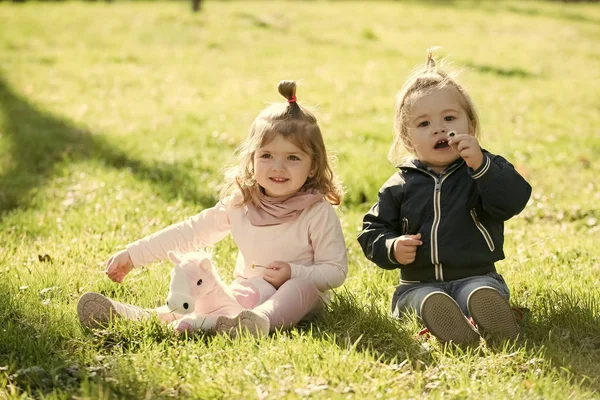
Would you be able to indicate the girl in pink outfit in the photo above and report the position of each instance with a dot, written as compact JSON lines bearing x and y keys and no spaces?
{"x":278,"y":207}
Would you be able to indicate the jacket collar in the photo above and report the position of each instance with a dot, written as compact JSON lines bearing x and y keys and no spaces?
{"x":416,"y":164}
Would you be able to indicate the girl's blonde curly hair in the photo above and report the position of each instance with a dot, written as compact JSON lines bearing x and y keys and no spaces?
{"x":296,"y":124}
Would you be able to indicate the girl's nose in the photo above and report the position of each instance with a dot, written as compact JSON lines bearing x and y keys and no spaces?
{"x":278,"y":165}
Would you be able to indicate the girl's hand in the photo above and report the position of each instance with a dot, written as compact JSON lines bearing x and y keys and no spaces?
{"x":277,"y":273}
{"x":405,"y":248}
{"x":468,"y":148}
{"x":119,"y":265}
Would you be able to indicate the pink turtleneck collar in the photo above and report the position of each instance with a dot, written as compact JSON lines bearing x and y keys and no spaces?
{"x":275,"y":210}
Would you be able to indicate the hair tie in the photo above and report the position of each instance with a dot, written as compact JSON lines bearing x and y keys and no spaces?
{"x":293,"y":99}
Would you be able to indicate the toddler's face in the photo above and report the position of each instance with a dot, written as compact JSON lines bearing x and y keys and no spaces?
{"x":281,"y":167}
{"x":431,"y":118}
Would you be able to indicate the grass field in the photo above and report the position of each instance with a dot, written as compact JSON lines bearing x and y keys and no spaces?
{"x":117,"y":118}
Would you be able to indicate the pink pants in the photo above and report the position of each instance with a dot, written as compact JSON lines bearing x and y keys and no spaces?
{"x":284,"y":307}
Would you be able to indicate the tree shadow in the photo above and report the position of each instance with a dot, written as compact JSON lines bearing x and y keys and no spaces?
{"x":42,"y":354}
{"x":501,"y":72}
{"x":40,"y":142}
{"x":562,"y":14}
{"x":36,"y":354}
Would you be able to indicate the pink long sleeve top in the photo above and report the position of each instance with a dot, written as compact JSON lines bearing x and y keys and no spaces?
{"x":313,"y":243}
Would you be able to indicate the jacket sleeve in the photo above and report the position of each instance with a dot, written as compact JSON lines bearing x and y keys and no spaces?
{"x":381,"y":227}
{"x":330,"y":266}
{"x":204,"y":229}
{"x":503,"y":190}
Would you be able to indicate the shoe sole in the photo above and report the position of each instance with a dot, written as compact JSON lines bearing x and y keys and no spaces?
{"x":446,"y":321}
{"x":245,"y":321}
{"x":95,"y":310}
{"x":492,"y":313}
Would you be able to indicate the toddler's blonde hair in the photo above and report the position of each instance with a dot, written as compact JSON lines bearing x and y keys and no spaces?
{"x":422,"y":81}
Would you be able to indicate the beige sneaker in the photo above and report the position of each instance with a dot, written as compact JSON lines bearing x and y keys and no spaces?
{"x":95,"y":310}
{"x":246,"y":320}
{"x":492,"y":313}
{"x":445,"y":320}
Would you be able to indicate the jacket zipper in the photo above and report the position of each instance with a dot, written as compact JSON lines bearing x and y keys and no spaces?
{"x":484,"y":232}
{"x":404,"y":229}
{"x":437,"y":216}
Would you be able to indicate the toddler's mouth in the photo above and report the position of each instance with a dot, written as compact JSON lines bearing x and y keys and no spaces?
{"x":441,"y":144}
{"x":278,"y":179}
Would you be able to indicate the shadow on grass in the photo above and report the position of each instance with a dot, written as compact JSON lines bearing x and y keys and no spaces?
{"x":566,"y":327}
{"x":39,"y":143}
{"x":37,"y":356}
{"x":562,"y":14}
{"x":501,"y":72}
{"x":364,"y":328}
{"x":42,"y":354}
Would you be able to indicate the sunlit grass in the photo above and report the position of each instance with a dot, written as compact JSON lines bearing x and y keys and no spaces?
{"x":117,"y":118}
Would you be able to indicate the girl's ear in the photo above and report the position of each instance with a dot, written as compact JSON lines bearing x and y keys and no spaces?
{"x":313,"y":170}
{"x":174,"y":257}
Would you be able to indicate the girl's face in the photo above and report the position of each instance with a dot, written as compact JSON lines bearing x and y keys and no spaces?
{"x":281,"y":168}
{"x":431,"y":118}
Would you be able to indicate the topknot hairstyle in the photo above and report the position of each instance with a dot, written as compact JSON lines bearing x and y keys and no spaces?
{"x":420,"y":82}
{"x":288,"y":90}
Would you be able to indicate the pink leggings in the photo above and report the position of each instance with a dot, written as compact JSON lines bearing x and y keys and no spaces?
{"x":295,"y":299}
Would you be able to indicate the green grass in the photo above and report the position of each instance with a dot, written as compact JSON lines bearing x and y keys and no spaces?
{"x":117,"y":118}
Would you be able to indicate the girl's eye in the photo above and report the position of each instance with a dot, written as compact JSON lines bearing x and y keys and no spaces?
{"x":199,"y":282}
{"x":266,"y":155}
{"x":449,"y":118}
{"x":293,"y":158}
{"x":423,"y":124}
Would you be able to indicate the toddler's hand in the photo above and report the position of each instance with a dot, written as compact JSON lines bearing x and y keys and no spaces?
{"x":119,"y":265}
{"x":468,"y":148}
{"x":277,"y":273}
{"x":405,"y":248}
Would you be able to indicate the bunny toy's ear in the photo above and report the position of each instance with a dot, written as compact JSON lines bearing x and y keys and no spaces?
{"x":174,"y":257}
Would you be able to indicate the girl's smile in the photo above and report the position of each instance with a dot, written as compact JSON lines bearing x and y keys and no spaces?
{"x":279,"y":179}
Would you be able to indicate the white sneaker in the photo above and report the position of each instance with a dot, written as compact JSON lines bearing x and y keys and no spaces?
{"x":246,"y":321}
{"x":95,"y":310}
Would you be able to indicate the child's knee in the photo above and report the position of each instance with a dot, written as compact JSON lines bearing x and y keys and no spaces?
{"x":305,"y":290}
{"x":301,"y":284}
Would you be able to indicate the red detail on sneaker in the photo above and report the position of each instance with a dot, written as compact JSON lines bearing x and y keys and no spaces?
{"x":518,"y":314}
{"x":424,"y":334}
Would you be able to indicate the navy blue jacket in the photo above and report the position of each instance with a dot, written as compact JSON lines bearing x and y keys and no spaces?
{"x":460,"y":214}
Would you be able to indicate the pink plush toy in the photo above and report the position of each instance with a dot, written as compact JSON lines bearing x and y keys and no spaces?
{"x":198,"y":293}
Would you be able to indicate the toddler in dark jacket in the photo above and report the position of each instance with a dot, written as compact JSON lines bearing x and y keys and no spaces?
{"x":440,"y":218}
